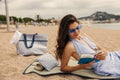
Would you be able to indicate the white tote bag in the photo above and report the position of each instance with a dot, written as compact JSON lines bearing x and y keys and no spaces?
{"x":32,"y":44}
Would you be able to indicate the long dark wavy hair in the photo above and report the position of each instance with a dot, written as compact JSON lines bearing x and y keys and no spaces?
{"x":63,"y":37}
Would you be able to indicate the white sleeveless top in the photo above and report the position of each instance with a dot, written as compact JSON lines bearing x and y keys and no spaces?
{"x":109,"y":66}
{"x":82,"y":48}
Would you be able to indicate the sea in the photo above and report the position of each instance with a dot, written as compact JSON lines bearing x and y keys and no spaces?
{"x":113,"y":26}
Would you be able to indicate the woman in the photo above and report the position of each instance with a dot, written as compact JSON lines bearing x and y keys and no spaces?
{"x":70,"y":43}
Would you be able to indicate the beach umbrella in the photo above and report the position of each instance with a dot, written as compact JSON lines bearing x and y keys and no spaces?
{"x":7,"y":14}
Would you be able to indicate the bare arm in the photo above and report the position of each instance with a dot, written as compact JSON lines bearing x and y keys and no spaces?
{"x":69,"y":50}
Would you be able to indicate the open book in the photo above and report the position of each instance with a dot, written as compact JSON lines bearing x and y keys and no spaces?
{"x":86,"y":58}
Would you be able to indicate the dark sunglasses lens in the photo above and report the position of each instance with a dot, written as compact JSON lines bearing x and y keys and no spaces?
{"x":72,"y":30}
{"x":78,"y":28}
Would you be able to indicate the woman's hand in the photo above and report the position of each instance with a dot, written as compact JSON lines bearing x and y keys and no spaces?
{"x":86,"y":66}
{"x":100,"y":56}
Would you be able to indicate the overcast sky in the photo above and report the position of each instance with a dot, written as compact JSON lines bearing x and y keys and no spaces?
{"x":59,"y":8}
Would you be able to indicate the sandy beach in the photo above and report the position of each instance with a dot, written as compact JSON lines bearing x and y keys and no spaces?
{"x":13,"y":65}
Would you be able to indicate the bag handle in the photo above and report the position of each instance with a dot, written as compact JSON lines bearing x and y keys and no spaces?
{"x":25,"y":40}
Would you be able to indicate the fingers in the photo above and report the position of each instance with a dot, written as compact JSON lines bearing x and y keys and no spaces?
{"x":100,"y":56}
{"x":91,"y":63}
{"x":88,"y":65}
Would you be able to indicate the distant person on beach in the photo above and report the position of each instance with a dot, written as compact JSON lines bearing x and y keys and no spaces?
{"x":17,"y":25}
{"x":70,"y":43}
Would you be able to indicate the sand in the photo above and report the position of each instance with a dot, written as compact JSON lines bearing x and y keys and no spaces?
{"x":13,"y":65}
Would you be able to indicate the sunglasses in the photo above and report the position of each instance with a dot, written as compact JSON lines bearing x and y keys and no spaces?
{"x":74,"y":29}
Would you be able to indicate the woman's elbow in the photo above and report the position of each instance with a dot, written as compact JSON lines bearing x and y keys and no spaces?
{"x":64,"y":70}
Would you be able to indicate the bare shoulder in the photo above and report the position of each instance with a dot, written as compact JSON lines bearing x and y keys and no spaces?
{"x":70,"y":47}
